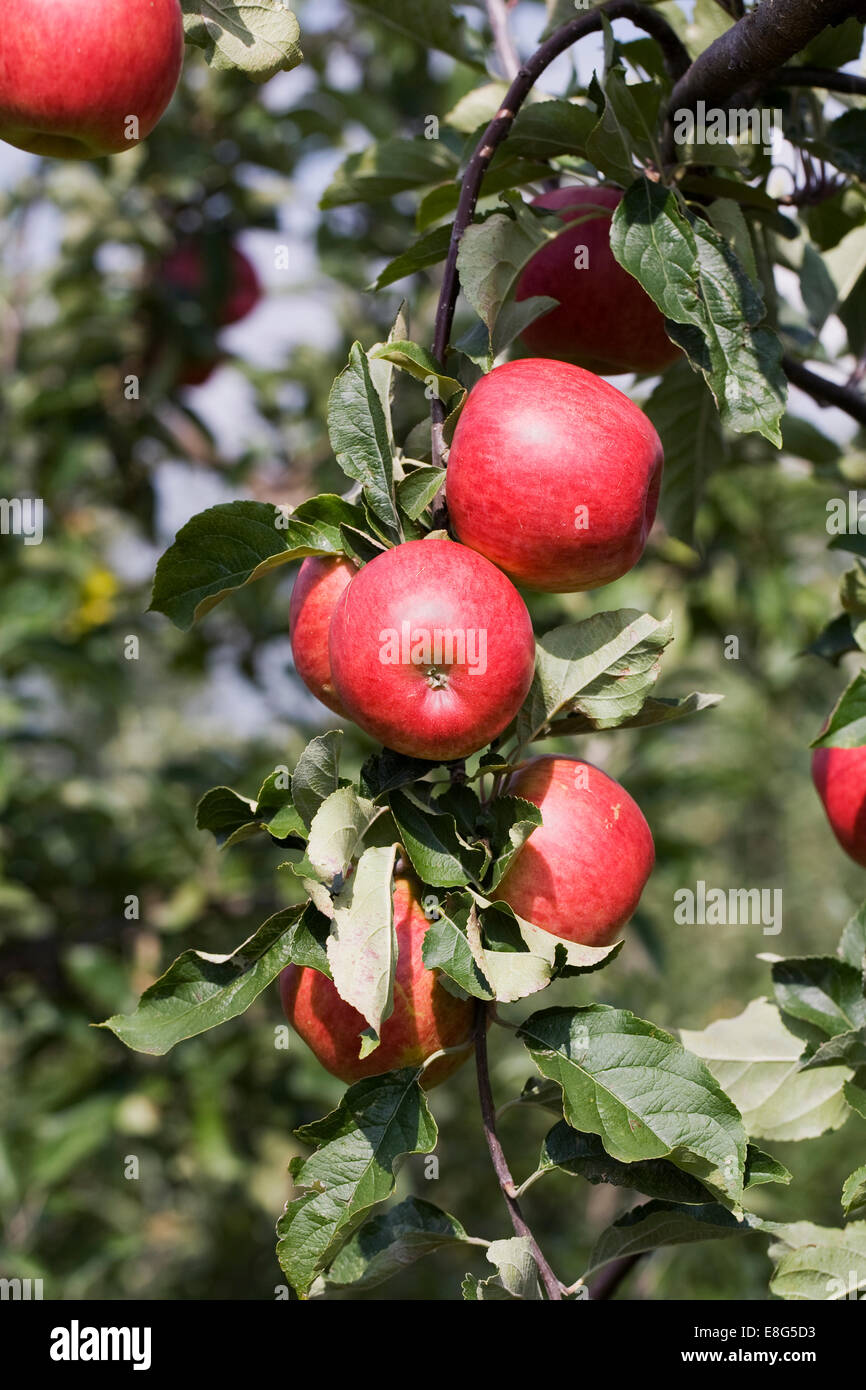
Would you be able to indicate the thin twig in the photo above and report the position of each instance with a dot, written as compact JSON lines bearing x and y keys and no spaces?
{"x":607,"y":1283}
{"x":826,"y":392}
{"x":497,"y":14}
{"x":831,"y":81}
{"x":497,"y":1155}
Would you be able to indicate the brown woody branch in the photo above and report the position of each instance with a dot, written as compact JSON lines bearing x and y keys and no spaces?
{"x":551,"y":1284}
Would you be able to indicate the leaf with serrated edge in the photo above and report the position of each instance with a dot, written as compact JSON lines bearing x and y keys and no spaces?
{"x":362,"y":947}
{"x":712,"y":308}
{"x":439,"y":854}
{"x":665,"y":1223}
{"x":578,"y":656}
{"x":757,"y":1061}
{"x":337,"y":831}
{"x":819,"y":1263}
{"x":260,"y":37}
{"x":358,"y":432}
{"x":200,"y":990}
{"x":854,"y":1192}
{"x":317,"y":773}
{"x":386,"y":1244}
{"x":637,"y":1088}
{"x":235,"y":543}
{"x":378,"y":1121}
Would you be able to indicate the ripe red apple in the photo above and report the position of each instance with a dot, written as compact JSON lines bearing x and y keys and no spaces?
{"x":605,"y":320}
{"x":220,"y":285}
{"x":554,"y":475}
{"x":839,"y":775}
{"x":226,"y":283}
{"x":582,"y":871}
{"x":425,"y":1017}
{"x":319,"y":584}
{"x":73,"y":73}
{"x":432,"y":650}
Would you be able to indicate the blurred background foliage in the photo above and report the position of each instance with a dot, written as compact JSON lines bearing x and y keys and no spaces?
{"x":103,"y":876}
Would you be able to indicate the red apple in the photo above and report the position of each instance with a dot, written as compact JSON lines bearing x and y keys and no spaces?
{"x":605,"y":320}
{"x":432,"y":650}
{"x":319,"y":584}
{"x":425,"y":1017}
{"x":223,"y":285}
{"x":74,"y":72}
{"x":582,"y":871}
{"x":839,"y":775}
{"x":226,"y":282}
{"x":554,"y":475}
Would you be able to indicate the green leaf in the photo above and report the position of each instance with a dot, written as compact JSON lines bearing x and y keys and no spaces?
{"x":359,"y":435}
{"x":432,"y":23}
{"x":854,"y":1092}
{"x":854,"y":1192}
{"x":259,"y":37}
{"x":416,"y":491}
{"x":385,"y":771}
{"x":427,"y":251}
{"x":452,"y":944}
{"x":621,"y":139}
{"x":665,"y":1223}
{"x":852,"y":946}
{"x":337,"y":831}
{"x":639,"y":1090}
{"x":200,"y":991}
{"x":234,"y":543}
{"x":493,"y":253}
{"x":603,"y":667}
{"x":822,"y":992}
{"x":843,"y":144}
{"x":757,"y":1060}
{"x":379,"y":1120}
{"x":714,"y":310}
{"x":362,"y":947}
{"x":225,"y":813}
{"x":421,"y":364}
{"x":548,"y":129}
{"x":276,"y":809}
{"x":661,"y":711}
{"x":317,"y":774}
{"x":516,"y":1267}
{"x":512,"y":821}
{"x":584,"y":1156}
{"x":847,"y":724}
{"x":817,"y":1263}
{"x":387,"y":1244}
{"x":387,"y":168}
{"x":685,"y":416}
{"x":439,"y":854}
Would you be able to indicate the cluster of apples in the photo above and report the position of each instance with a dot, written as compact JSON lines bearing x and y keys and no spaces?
{"x":552,"y":484}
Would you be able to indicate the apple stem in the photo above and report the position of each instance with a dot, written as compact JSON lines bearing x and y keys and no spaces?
{"x":497,"y":1155}
{"x":676,"y":59}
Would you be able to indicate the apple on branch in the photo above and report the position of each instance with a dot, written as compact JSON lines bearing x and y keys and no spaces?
{"x":605,"y":320}
{"x":84,"y":78}
{"x":554,"y":475}
{"x":425,"y":1017}
{"x":839,"y":775}
{"x":318,"y":586}
{"x":431,"y":650}
{"x":582,"y":871}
